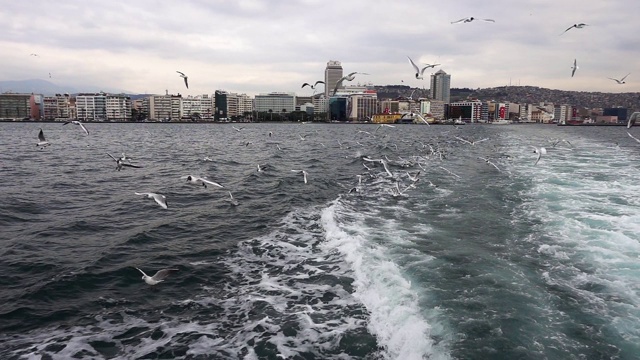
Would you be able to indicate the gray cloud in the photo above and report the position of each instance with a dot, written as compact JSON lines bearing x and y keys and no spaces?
{"x":257,"y":46}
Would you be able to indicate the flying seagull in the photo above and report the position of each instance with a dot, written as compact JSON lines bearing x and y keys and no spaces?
{"x":621,"y":81}
{"x":120,"y":162}
{"x":540,"y":151}
{"x":314,"y":85}
{"x":200,"y":181}
{"x":158,"y":277}
{"x":419,"y":71}
{"x":348,"y":77}
{"x":470,"y":19}
{"x":633,"y":137}
{"x":304,"y":174}
{"x":182,"y":75}
{"x":577,"y":26}
{"x":42,"y":142}
{"x":488,"y":161}
{"x":574,"y":67}
{"x":160,"y":199}
{"x":231,"y":200}
{"x":76,"y":122}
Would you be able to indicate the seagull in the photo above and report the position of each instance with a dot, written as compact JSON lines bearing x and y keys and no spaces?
{"x":314,"y":85}
{"x":577,"y":26}
{"x":160,"y":199}
{"x":231,"y":200}
{"x":419,"y":71}
{"x":472,"y":142}
{"x":304,"y":173}
{"x":633,"y":137}
{"x":200,"y":181}
{"x":270,"y":133}
{"x":76,"y":122}
{"x":489,"y":162}
{"x":574,"y":67}
{"x":413,"y":178}
{"x":621,"y":81}
{"x":32,"y":54}
{"x":182,"y":75}
{"x":261,"y":168}
{"x":449,"y":171}
{"x":120,"y":162}
{"x":631,"y":122}
{"x":540,"y":151}
{"x":237,"y":129}
{"x":158,"y":277}
{"x":382,"y":125}
{"x":303,"y":137}
{"x":470,"y":19}
{"x":348,"y":77}
{"x":42,"y":142}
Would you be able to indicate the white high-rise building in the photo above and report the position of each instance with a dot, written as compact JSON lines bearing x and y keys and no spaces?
{"x":200,"y":104}
{"x":92,"y":107}
{"x":332,"y":74}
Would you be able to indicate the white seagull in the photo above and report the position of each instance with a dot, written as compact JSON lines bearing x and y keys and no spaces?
{"x":540,"y":151}
{"x":158,"y":277}
{"x":574,"y":67}
{"x":304,"y":174}
{"x":348,"y":77}
{"x":196,"y":180}
{"x":413,"y":178}
{"x":182,"y":75}
{"x":470,"y":142}
{"x":577,"y":26}
{"x":120,"y":162}
{"x":42,"y":142}
{"x":488,"y":161}
{"x":76,"y":122}
{"x":470,"y":19}
{"x":419,"y":71}
{"x":160,"y":199}
{"x":621,"y":81}
{"x":237,"y":129}
{"x":231,"y":200}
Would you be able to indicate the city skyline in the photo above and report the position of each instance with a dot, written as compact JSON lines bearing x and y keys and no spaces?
{"x":256,"y":47}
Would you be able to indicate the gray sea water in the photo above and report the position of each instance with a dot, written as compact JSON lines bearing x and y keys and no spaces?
{"x":521,"y":261}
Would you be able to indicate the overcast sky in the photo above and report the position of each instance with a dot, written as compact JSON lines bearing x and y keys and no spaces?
{"x":253,"y":47}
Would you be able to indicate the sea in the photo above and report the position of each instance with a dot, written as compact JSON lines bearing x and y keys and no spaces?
{"x":405,"y":242}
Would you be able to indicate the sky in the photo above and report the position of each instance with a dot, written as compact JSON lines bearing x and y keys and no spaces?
{"x":253,"y":47}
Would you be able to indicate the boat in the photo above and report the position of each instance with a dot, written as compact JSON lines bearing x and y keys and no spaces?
{"x":501,"y":122}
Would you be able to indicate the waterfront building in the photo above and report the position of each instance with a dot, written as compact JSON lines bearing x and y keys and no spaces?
{"x":619,"y":112}
{"x":469,"y":111}
{"x":118,"y":107}
{"x":91,"y":106}
{"x":200,"y":105}
{"x":441,"y":86}
{"x":332,"y":74}
{"x":363,"y":106}
{"x":15,"y":106}
{"x":163,"y":107}
{"x":320,"y":104}
{"x":276,"y":102}
{"x":432,"y":108}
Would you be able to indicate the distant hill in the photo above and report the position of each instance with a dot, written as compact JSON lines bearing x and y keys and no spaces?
{"x":44,"y":87}
{"x":534,"y":95}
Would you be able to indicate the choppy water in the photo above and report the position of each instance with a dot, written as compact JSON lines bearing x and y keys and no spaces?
{"x":472,"y":262}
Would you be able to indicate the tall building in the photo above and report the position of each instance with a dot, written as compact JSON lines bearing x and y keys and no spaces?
{"x":276,"y":102}
{"x":332,"y":74}
{"x":440,"y":86}
{"x":118,"y":107}
{"x":163,"y":107}
{"x":92,"y":107}
{"x":15,"y":106}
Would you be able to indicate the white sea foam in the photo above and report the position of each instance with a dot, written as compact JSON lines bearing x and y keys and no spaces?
{"x":393,"y":304}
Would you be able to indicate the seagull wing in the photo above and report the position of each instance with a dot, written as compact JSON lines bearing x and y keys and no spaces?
{"x":306,"y":84}
{"x":114,"y":159}
{"x":41,"y":136}
{"x":83,"y":128}
{"x":133,"y":166}
{"x":461,"y":20}
{"x":160,"y":199}
{"x":142,"y":272}
{"x":490,"y":20}
{"x":569,"y":28}
{"x":415,"y":67}
{"x":210,"y":182}
{"x":625,"y":77}
{"x":162,"y":274}
{"x":318,"y":82}
{"x":538,"y":159}
{"x":181,"y":73}
{"x":633,"y":137}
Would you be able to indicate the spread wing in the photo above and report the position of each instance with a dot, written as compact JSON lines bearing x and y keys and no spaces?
{"x":461,"y":20}
{"x":162,"y":274}
{"x":625,"y":77}
{"x":41,"y":136}
{"x":306,"y":84}
{"x":318,"y":82}
{"x":415,"y":67}
{"x":83,"y":128}
{"x":211,"y":182}
{"x":114,"y":159}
